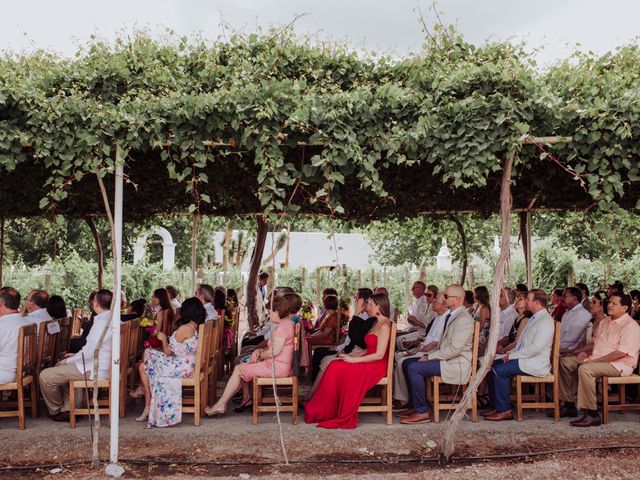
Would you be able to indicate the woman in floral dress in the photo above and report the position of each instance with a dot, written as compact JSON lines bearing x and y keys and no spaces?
{"x":162,"y":371}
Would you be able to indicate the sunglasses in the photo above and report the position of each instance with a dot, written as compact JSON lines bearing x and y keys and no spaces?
{"x":429,"y":295}
{"x":446,"y":296}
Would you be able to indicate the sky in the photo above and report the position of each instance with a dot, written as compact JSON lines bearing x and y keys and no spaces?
{"x":550,"y":27}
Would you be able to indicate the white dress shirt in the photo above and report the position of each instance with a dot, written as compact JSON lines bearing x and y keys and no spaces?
{"x":211,"y":312}
{"x":176,"y":303}
{"x":435,"y":334}
{"x":104,"y":356}
{"x":574,"y":327}
{"x":9,"y":329}
{"x":507,"y":317}
{"x":38,"y":316}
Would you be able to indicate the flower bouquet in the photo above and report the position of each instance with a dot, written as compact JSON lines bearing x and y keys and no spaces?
{"x":306,"y":316}
{"x":149,"y":325}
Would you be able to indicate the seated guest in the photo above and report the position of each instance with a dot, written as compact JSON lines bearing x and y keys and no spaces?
{"x":56,"y":308}
{"x":404,"y":359}
{"x":469,"y":302}
{"x":393,"y":310}
{"x":346,"y":381}
{"x":507,"y":344}
{"x":530,"y":356}
{"x":420,"y":314}
{"x":508,"y":313}
{"x":173,"y":296}
{"x":10,"y":322}
{"x":353,"y":345}
{"x":323,"y":310}
{"x":219,"y":299}
{"x":277,"y":356}
{"x":558,"y":304}
{"x":482,"y":315}
{"x":206,"y":295}
{"x":598,"y":305}
{"x":584,"y":290}
{"x":54,"y":381}
{"x":451,"y":360}
{"x":135,"y":310}
{"x":162,"y":371}
{"x":36,"y":306}
{"x":635,"y":304}
{"x":86,"y":324}
{"x":614,"y":287}
{"x":326,"y":332}
{"x":357,"y":329}
{"x":575,"y":321}
{"x":165,"y":315}
{"x":614,"y":354}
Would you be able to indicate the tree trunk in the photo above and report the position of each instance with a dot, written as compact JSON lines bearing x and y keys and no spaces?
{"x":494,"y":330}
{"x":256,"y":260}
{"x":226,"y":247}
{"x":465,"y":255}
{"x":195,"y":232}
{"x":1,"y":249}
{"x":99,"y":250}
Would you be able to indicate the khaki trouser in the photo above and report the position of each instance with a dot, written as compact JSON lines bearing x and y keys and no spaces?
{"x":581,"y":379}
{"x":400,"y":387}
{"x":54,"y":385}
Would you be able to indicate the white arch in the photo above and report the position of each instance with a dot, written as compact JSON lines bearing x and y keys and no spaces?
{"x":168,"y":248}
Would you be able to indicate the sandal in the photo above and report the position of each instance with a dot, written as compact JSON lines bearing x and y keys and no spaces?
{"x":210,"y":412}
{"x":136,"y":393}
{"x":144,"y":416}
{"x":243,"y":406}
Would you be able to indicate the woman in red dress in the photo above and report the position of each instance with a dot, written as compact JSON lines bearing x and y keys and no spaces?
{"x":346,"y":381}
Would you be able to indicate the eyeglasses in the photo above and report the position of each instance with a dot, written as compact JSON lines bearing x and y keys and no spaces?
{"x":429,"y":295}
{"x":446,"y":296}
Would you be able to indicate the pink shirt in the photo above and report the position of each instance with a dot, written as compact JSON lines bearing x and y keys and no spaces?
{"x":622,"y":335}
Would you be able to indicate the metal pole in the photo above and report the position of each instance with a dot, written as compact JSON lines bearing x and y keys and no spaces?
{"x":115,"y":316}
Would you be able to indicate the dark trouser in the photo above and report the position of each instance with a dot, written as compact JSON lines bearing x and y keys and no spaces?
{"x":318,"y":355}
{"x":500,"y":383}
{"x":417,"y":375}
{"x":252,"y":340}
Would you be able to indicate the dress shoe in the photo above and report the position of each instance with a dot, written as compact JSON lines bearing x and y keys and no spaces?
{"x":400,"y":406}
{"x":565,"y":412}
{"x":587,"y":421}
{"x":416,"y":418}
{"x":60,"y":417}
{"x":488,"y":413}
{"x":405,"y":413}
{"x":499,"y":416}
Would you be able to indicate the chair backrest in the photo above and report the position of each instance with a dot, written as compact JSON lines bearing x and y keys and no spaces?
{"x":64,"y":337}
{"x":134,"y":339}
{"x":76,"y":322}
{"x":204,"y":339}
{"x":296,"y":337}
{"x":27,"y":351}
{"x":555,"y":351}
{"x":125,"y":337}
{"x":220,"y":326}
{"x":475,"y":348}
{"x":213,"y":344}
{"x":392,"y":349}
{"x":47,"y":343}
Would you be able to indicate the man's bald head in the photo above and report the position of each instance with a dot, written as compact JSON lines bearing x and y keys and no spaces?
{"x":454,"y":296}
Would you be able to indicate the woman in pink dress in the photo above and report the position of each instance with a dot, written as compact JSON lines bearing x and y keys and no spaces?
{"x":262,"y":363}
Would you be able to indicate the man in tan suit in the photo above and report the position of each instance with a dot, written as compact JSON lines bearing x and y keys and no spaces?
{"x":451,"y":361}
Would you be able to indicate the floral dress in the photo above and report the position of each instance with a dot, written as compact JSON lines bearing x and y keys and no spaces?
{"x":165,"y":377}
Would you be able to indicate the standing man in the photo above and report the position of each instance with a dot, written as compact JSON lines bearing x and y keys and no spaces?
{"x":451,"y":360}
{"x":615,"y":354}
{"x":530,"y":356}
{"x":263,"y":279}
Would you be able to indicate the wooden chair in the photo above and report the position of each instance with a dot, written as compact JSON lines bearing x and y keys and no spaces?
{"x":621,"y":406}
{"x":212,"y":368}
{"x":64,"y":338}
{"x":76,"y":322}
{"x":231,"y":353}
{"x":131,"y":361}
{"x":384,"y":402}
{"x":553,"y":378}
{"x":195,"y":397}
{"x":288,"y":403}
{"x":103,"y":403}
{"x":46,"y":351}
{"x":437,"y":382}
{"x":220,"y":342}
{"x":25,"y":376}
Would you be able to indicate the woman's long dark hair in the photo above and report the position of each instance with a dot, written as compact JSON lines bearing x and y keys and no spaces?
{"x":382,"y":301}
{"x":165,"y":303}
{"x":56,"y":307}
{"x":192,"y":310}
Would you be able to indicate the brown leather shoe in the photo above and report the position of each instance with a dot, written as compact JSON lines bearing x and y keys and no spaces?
{"x":405,"y":413}
{"x":416,"y":418}
{"x":499,"y":416}
{"x":587,"y":421}
{"x":488,"y":413}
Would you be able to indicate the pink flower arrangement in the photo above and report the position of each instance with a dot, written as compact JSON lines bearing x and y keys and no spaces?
{"x":149,"y":324}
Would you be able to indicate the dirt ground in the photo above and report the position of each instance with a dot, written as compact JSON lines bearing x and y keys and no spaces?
{"x":236,"y":448}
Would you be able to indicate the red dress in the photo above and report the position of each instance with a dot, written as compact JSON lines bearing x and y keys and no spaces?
{"x":342,"y":388}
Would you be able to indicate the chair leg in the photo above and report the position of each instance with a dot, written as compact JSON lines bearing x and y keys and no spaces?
{"x":519,"y":396}
{"x":605,"y":400}
{"x":294,"y":398}
{"x":72,"y":406}
{"x":21,"y":415}
{"x":35,"y":412}
{"x":196,"y":403}
{"x":474,"y":407}
{"x":256,"y":401}
{"x":436,"y":400}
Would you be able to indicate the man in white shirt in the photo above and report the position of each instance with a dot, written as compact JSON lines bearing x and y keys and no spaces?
{"x":575,"y":320}
{"x":430,"y":342}
{"x":530,"y":356}
{"x":205,"y":294}
{"x":36,"y":305}
{"x":10,"y":322}
{"x":173,"y":296}
{"x":508,"y":312}
{"x":421,"y":313}
{"x":54,"y":381}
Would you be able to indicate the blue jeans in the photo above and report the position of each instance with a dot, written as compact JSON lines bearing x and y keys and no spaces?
{"x":500,"y":383}
{"x":417,"y":374}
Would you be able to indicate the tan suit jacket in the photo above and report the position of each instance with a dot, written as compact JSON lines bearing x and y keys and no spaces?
{"x":455,"y":349}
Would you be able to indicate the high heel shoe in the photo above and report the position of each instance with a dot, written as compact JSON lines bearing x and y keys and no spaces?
{"x":144,"y":416}
{"x":137,"y":392}
{"x":210,"y":412}
{"x":243,"y":406}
